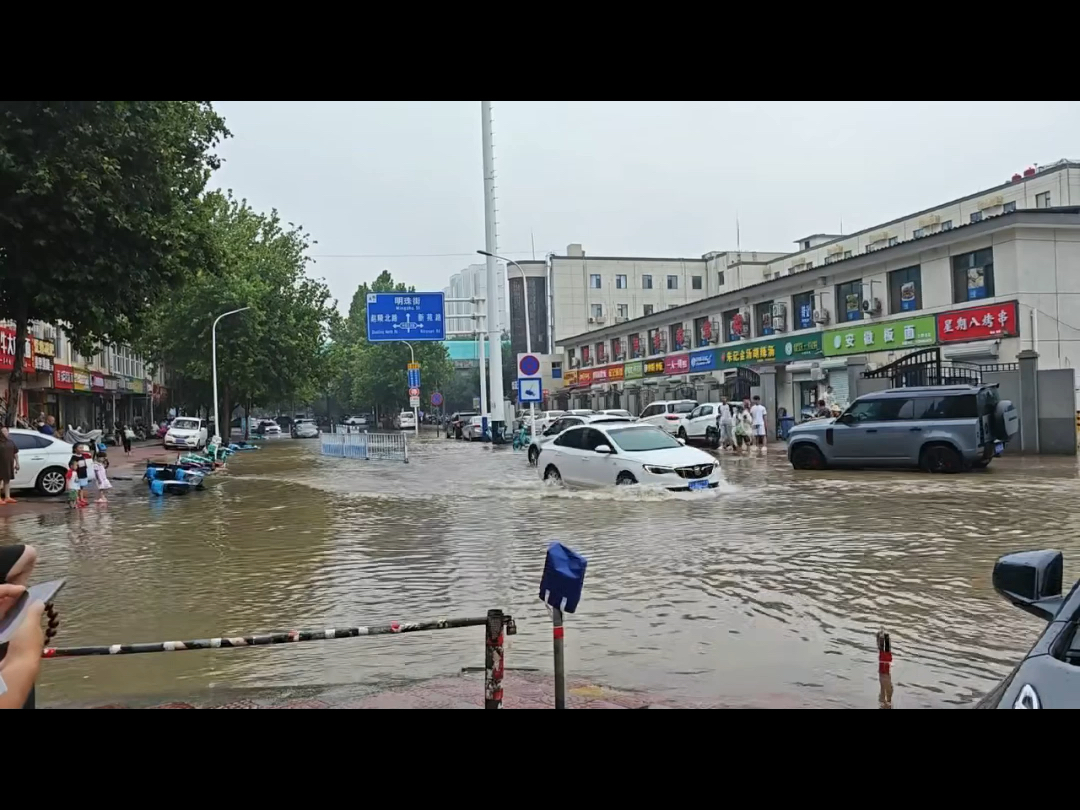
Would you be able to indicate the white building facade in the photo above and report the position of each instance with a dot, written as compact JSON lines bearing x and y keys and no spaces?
{"x":472,"y":283}
{"x":980,"y":278}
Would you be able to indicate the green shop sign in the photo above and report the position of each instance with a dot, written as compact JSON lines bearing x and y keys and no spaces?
{"x":632,"y":370}
{"x":882,"y":337}
{"x":778,"y":350}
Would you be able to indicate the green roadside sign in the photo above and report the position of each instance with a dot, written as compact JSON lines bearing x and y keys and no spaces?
{"x":860,"y":338}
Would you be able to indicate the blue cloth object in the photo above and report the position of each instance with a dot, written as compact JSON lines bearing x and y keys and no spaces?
{"x":563,"y":579}
{"x":157,"y":487}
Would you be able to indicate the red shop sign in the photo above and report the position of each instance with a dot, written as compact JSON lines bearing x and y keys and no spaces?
{"x":979,"y":323}
{"x":677,"y":364}
{"x":585,"y":376}
{"x":7,"y":351}
{"x":63,"y":377}
{"x":599,"y":375}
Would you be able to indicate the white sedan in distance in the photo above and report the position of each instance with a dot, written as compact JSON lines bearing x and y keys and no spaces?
{"x":43,"y":461}
{"x":621,"y":454}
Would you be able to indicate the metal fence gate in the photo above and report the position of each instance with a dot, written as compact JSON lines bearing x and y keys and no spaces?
{"x":928,"y":367}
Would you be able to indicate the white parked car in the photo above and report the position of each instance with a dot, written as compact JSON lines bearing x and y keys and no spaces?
{"x":617,"y":454}
{"x":305,"y":429}
{"x":564,"y":422}
{"x":186,"y":433}
{"x":406,"y":420}
{"x":667,"y":413}
{"x":619,"y":412}
{"x":473,"y":430}
{"x":543,"y":419}
{"x":43,"y":461}
{"x":695,"y":426}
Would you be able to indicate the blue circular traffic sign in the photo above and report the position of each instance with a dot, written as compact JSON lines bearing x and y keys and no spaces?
{"x":436,"y":399}
{"x":529,"y":365}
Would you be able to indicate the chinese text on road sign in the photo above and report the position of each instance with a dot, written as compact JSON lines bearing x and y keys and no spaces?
{"x":405,"y":316}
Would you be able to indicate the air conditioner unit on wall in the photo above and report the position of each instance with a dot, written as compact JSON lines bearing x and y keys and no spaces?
{"x":821,"y":316}
{"x":871,"y":306}
{"x":779,"y":317}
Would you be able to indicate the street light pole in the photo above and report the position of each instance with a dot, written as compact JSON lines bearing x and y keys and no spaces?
{"x":415,"y":415}
{"x":213,"y":360}
{"x":528,"y":339}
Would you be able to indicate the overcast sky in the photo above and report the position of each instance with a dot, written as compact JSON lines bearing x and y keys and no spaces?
{"x":399,"y":185}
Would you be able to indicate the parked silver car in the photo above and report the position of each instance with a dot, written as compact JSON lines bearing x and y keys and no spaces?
{"x":941,"y":428}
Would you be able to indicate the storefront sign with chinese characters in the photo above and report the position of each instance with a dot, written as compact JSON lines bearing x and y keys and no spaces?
{"x":80,"y":379}
{"x":63,"y":377}
{"x":43,"y":364}
{"x":778,"y":350}
{"x":633,"y":371}
{"x":599,"y":375}
{"x":584,"y":377}
{"x":907,"y":333}
{"x":979,"y":323}
{"x":569,"y":377}
{"x":97,"y":382}
{"x":44,"y":347}
{"x":7,"y":351}
{"x":677,"y":364}
{"x":615,"y":373}
{"x":136,"y":386}
{"x":111,"y":384}
{"x":653,"y":367}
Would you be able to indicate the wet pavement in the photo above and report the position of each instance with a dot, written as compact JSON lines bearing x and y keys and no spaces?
{"x":767,"y":591}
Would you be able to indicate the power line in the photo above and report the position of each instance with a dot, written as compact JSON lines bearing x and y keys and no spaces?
{"x":409,"y":255}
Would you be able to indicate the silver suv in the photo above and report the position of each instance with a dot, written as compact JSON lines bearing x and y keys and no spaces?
{"x":940,"y":428}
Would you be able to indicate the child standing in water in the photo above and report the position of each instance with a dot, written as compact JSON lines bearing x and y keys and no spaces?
{"x":71,"y":484}
{"x":102,"y":479}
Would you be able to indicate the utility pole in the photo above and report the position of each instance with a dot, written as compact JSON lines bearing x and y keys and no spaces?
{"x":493,"y":327}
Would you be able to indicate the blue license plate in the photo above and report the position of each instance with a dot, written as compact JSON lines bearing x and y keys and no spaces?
{"x":702,"y":484}
{"x":999,"y":448}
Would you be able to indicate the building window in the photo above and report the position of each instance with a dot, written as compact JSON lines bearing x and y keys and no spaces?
{"x":1008,"y":208}
{"x":601,"y":354}
{"x":656,"y":342}
{"x":803,"y":316}
{"x":695,"y":282}
{"x":597,"y":310}
{"x":849,"y":301}
{"x":735,"y":325}
{"x":646,"y":282}
{"x":616,"y":349}
{"x":676,"y":337}
{"x":763,"y":318}
{"x":720,"y":278}
{"x":973,"y":275}
{"x":919,"y":233}
{"x":894,"y":240}
{"x":976,"y":217}
{"x":1042,"y":200}
{"x":673,"y":282}
{"x":905,"y":289}
{"x":594,"y":281}
{"x":586,"y":360}
{"x":622,"y":310}
{"x":946,"y":225}
{"x":620,"y":282}
{"x":648,"y":309}
{"x":703,"y":335}
{"x":635,"y":345}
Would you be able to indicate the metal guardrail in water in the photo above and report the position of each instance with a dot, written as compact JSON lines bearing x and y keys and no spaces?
{"x":366,"y":446}
{"x":496,"y":623}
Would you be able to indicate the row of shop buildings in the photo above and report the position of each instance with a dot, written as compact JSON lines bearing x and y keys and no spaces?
{"x":92,"y":392}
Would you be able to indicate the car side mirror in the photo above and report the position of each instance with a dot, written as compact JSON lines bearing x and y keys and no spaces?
{"x":845,"y":419}
{"x":604,"y":449}
{"x":1031,"y":580}
{"x":681,"y":441}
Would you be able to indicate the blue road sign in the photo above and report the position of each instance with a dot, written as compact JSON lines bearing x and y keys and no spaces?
{"x":530,"y":389}
{"x":414,"y":378}
{"x":436,"y":399}
{"x":405,"y":316}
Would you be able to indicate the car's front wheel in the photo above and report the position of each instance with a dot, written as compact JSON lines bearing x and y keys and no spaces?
{"x":552,"y":474}
{"x":807,"y":457}
{"x":50,"y":481}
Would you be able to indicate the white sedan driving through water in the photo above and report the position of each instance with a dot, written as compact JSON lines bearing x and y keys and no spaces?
{"x":622,"y":453}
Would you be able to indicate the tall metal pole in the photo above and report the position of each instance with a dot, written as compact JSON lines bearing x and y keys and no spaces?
{"x":528,"y":338}
{"x":213,"y":361}
{"x":415,"y":415}
{"x":494,"y":334}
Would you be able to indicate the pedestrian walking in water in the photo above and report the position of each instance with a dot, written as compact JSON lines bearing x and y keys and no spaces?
{"x":125,"y":438}
{"x":9,"y":465}
{"x":742,"y":430}
{"x":757,"y":419}
{"x":725,"y":422}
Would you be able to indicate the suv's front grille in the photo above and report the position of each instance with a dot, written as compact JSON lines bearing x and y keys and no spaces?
{"x":697,"y":471}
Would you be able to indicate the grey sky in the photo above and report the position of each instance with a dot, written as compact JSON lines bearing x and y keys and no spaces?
{"x":629,"y":179}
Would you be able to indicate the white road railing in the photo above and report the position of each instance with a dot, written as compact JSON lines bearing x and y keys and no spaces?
{"x":366,"y":446}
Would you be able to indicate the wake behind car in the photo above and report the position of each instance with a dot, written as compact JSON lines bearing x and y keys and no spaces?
{"x":622,"y":454}
{"x":939,"y":428}
{"x":185,"y":433}
{"x":562,"y":423}
{"x":1048,"y":677}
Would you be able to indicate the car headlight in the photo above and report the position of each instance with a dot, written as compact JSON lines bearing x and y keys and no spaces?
{"x":652,"y":468}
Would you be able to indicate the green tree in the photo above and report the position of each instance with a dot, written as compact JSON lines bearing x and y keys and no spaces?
{"x":274,"y":352}
{"x":100,"y":212}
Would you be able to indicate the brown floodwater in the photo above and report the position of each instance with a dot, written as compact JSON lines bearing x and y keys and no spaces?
{"x":768,"y":591}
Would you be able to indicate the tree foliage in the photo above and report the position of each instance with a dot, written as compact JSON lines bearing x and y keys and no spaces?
{"x":275,"y":351}
{"x":100,"y":212}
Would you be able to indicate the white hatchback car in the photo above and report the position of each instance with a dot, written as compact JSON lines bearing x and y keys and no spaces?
{"x":186,"y":433}
{"x":43,"y":461}
{"x":601,"y":455}
{"x":406,"y":420}
{"x":695,"y":426}
{"x":667,"y":413}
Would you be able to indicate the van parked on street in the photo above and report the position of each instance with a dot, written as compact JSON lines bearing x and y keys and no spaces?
{"x":938,"y":428}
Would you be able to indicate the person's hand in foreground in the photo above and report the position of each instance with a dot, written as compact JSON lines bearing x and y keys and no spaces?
{"x":19,"y":668}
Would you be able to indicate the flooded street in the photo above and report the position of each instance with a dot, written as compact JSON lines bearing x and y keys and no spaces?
{"x":765,"y":592}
